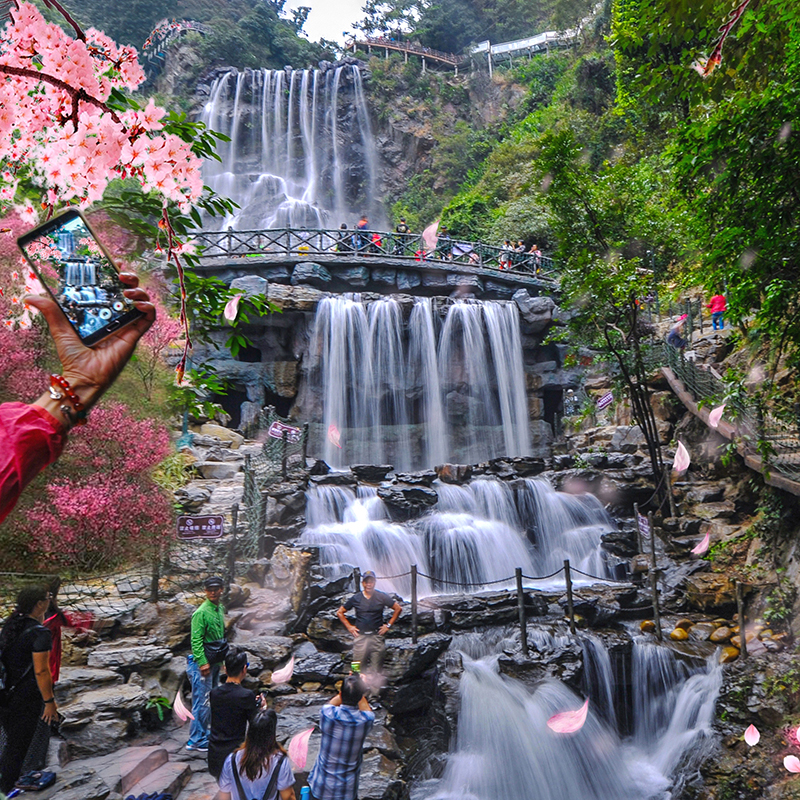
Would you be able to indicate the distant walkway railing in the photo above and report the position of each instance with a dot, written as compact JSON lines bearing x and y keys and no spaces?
{"x":412,"y":48}
{"x":379,"y":245}
{"x":769,"y":443}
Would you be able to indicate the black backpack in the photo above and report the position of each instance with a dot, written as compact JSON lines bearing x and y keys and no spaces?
{"x":273,"y":780}
{"x":6,"y":689}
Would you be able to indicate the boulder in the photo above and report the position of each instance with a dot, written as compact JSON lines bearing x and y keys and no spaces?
{"x":76,"y":783}
{"x":454,"y":473}
{"x":380,"y":778}
{"x":720,"y":635}
{"x":407,"y":280}
{"x":707,"y":591}
{"x":169,"y":623}
{"x":422,"y":478}
{"x":218,"y":471}
{"x":728,"y":654}
{"x":405,"y":502}
{"x":319,"y":467}
{"x":679,"y":635}
{"x":405,"y":660}
{"x":307,"y":272}
{"x":289,"y":574}
{"x":294,"y":298}
{"x":354,"y":276}
{"x":536,"y":311}
{"x":74,"y":681}
{"x":312,"y":665}
{"x":250,"y":285}
{"x":108,"y":700}
{"x":272,"y":651}
{"x":371,"y":473}
{"x":701,"y":631}
{"x":226,"y":434}
{"x":129,"y":654}
{"x":384,"y":277}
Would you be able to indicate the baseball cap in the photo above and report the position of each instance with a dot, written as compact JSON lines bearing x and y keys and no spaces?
{"x":368,"y":574}
{"x":213,"y":582}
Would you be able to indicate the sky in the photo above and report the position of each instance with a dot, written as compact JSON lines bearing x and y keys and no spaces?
{"x":329,"y":18}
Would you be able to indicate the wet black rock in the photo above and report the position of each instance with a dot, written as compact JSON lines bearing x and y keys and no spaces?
{"x":335,"y":479}
{"x":406,"y":502}
{"x":312,"y":665}
{"x":371,"y":473}
{"x":320,"y":467}
{"x":405,"y":660}
{"x":620,"y":543}
{"x":422,"y":478}
{"x":307,"y":272}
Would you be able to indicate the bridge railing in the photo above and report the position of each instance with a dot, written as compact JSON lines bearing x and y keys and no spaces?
{"x":378,"y":245}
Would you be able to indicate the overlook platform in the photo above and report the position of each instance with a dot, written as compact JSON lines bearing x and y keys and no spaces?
{"x":353,"y":261}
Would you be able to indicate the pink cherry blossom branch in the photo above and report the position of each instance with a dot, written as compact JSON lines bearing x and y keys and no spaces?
{"x":64,"y":13}
{"x":77,"y":95}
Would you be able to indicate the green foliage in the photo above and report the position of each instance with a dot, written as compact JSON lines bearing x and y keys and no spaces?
{"x":174,"y":472}
{"x":787,"y":684}
{"x":161,"y":705}
{"x":193,"y":396}
{"x":780,"y":602}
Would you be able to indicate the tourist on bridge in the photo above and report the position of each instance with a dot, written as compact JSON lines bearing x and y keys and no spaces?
{"x":536,"y":257}
{"x":718,"y":307}
{"x":674,"y":337}
{"x":346,"y":241}
{"x":362,"y":226}
{"x":28,"y":695}
{"x":209,"y":649}
{"x":260,"y":768}
{"x":370,"y":629}
{"x":401,"y":234}
{"x":345,"y":723}
{"x":505,"y":255}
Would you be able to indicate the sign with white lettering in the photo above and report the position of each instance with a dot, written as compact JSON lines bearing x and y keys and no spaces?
{"x":277,"y":429}
{"x":644,"y":526}
{"x":606,"y":400}
{"x":211,"y":527}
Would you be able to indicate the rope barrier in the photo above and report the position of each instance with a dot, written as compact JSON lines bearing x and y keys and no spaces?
{"x":392,"y":577}
{"x":468,"y":584}
{"x":597,"y":577}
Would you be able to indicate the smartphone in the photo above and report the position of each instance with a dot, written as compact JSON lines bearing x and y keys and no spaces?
{"x":79,"y":274}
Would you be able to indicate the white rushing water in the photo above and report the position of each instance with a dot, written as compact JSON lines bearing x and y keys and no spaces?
{"x":417,"y":393}
{"x":504,"y":749}
{"x":476,"y":534}
{"x":301,"y":151}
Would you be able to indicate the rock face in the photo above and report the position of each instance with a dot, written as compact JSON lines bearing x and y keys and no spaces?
{"x":536,"y":311}
{"x":307,"y":272}
{"x":405,"y":502}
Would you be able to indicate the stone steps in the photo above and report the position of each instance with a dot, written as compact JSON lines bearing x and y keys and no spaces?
{"x":127,"y":768}
{"x":170,"y":777}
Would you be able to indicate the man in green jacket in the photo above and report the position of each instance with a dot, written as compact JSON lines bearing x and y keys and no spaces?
{"x":208,"y":625}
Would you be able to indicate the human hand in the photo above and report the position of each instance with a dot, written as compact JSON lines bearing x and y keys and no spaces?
{"x":91,"y":370}
{"x":383,"y":630}
{"x":354,"y":631}
{"x":50,"y":713}
{"x":205,"y":670}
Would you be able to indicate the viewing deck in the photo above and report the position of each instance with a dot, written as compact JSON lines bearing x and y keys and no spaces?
{"x":349,"y":260}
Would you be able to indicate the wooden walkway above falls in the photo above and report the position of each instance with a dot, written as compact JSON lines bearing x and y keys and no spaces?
{"x":351,"y":261}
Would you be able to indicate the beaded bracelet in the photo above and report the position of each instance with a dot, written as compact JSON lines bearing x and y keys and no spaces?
{"x":76,"y":415}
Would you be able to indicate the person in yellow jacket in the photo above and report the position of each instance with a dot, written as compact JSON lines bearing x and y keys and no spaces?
{"x":203,"y":664}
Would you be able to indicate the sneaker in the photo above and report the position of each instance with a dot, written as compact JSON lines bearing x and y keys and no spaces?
{"x":197,"y":748}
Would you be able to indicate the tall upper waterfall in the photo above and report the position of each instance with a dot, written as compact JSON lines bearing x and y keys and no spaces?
{"x":301,"y":151}
{"x":419,"y":391}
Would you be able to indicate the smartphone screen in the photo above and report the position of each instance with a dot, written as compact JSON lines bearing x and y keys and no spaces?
{"x":80,"y":275}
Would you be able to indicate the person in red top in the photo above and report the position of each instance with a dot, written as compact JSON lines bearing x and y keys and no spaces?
{"x":33,"y":436}
{"x":718,"y":308}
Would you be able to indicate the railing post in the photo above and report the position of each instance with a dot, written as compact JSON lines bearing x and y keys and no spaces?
{"x":654,"y":578}
{"x":305,"y":444}
{"x":523,"y":623}
{"x":742,"y":620}
{"x":570,"y":604}
{"x":154,"y":579}
{"x":232,"y":551}
{"x":414,"y":603}
{"x":284,"y":456}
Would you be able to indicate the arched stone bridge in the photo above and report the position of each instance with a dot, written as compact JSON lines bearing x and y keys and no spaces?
{"x":375,"y":261}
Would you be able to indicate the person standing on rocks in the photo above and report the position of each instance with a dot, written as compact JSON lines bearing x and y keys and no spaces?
{"x":232,"y":708}
{"x":28,"y":694}
{"x":208,"y":651}
{"x":370,"y":629}
{"x":345,"y":723}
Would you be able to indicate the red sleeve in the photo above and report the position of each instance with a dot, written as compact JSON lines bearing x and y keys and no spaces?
{"x":30,"y":439}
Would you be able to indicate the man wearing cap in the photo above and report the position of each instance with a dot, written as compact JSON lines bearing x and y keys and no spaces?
{"x":369,"y":631}
{"x":208,"y":652}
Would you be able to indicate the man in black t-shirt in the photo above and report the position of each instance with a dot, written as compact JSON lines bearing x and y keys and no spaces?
{"x":370,"y":629}
{"x":232,"y":708}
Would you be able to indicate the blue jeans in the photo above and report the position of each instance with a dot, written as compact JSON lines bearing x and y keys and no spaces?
{"x":201,"y":710}
{"x":717,"y":317}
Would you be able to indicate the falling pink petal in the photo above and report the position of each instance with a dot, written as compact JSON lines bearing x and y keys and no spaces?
{"x":284,"y":674}
{"x":752,"y":736}
{"x":716,"y":415}
{"x":430,"y":236}
{"x":232,"y":308}
{"x":569,"y":721}
{"x":298,"y":749}
{"x":792,"y":763}
{"x":333,"y":436}
{"x":682,"y":318}
{"x":701,"y":548}
{"x":682,"y":459}
{"x":181,"y":712}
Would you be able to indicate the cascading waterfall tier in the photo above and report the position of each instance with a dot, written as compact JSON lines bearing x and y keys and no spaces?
{"x":504,"y":748}
{"x":476,"y":534}
{"x":420,"y":391}
{"x":301,"y":151}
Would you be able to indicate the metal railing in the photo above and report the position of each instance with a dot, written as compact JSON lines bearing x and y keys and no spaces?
{"x":779,"y":438}
{"x":407,"y":47}
{"x":378,"y":245}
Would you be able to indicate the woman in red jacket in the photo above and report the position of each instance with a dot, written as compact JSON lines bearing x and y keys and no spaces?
{"x":718,"y":308}
{"x":33,"y":436}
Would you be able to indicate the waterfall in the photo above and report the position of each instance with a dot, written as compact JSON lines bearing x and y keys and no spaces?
{"x":504,"y":748}
{"x":401,"y":395}
{"x":301,"y":152}
{"x":476,"y":534}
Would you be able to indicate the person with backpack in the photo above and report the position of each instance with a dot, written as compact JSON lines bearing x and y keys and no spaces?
{"x":27,"y":686}
{"x":232,"y":708}
{"x":259,"y":769}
